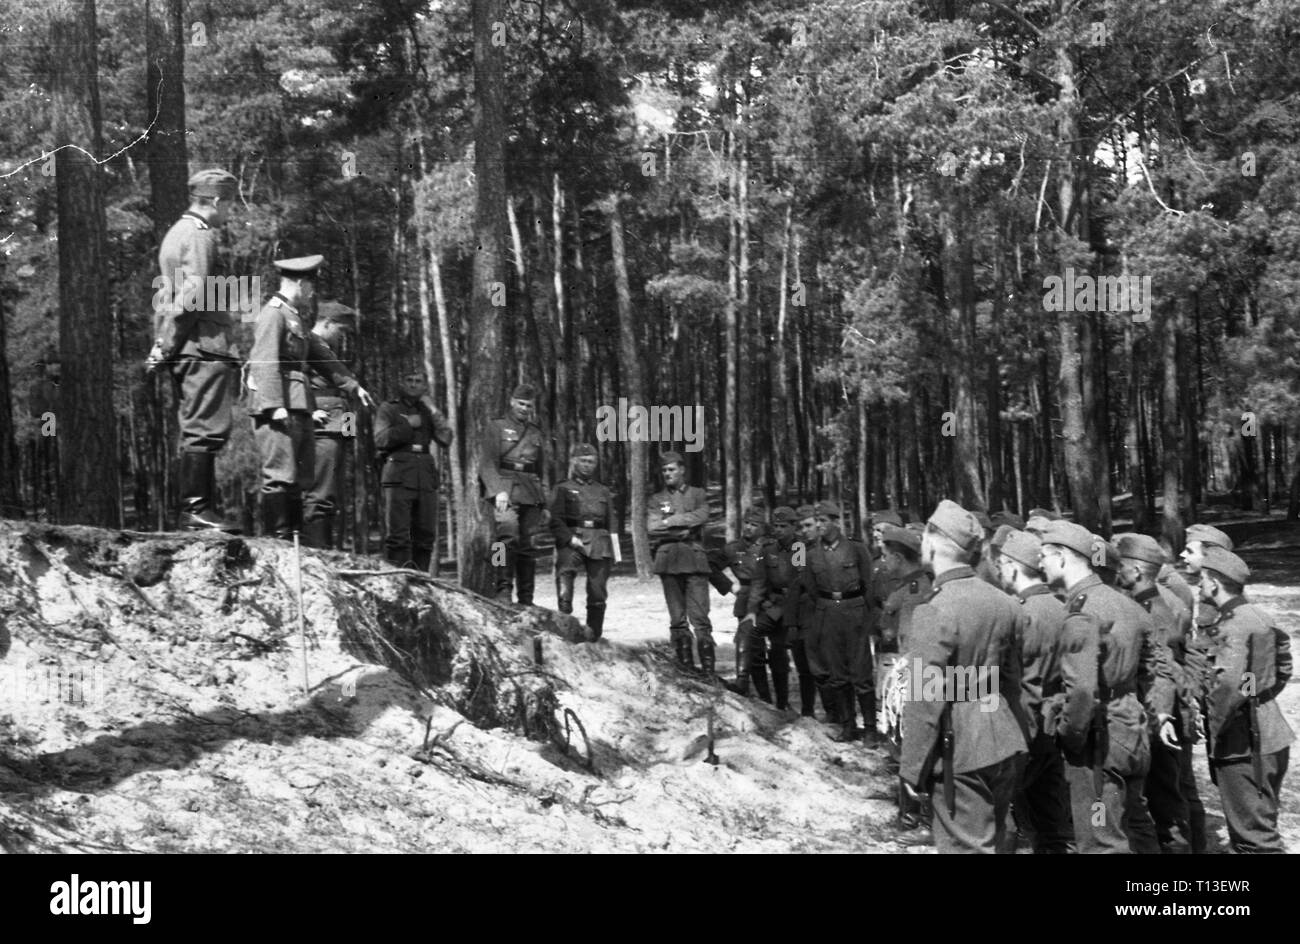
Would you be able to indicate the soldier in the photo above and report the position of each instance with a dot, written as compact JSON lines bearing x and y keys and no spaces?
{"x":1250,"y":741}
{"x":985,"y":568}
{"x":837,"y":576}
{"x":675,"y":518}
{"x":1170,"y":791}
{"x":334,"y":322}
{"x":883,"y":583}
{"x":1111,"y":663}
{"x":580,"y":516}
{"x":1042,"y":800}
{"x":196,"y":341}
{"x":901,"y":557}
{"x":770,"y":610}
{"x":510,"y":466}
{"x":799,"y":611}
{"x":966,"y":740}
{"x":1199,"y":538}
{"x":406,"y":428}
{"x":285,"y":352}
{"x":742,"y":557}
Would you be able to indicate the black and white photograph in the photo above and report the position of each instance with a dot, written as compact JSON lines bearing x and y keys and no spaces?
{"x":650,"y":426}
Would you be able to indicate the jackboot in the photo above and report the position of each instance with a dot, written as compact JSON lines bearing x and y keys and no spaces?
{"x":564,"y":593}
{"x":867,"y":703}
{"x":831,"y":705}
{"x":525,"y":578}
{"x":849,"y":724}
{"x":807,"y":697}
{"x":197,"y":480}
{"x":707,"y":650}
{"x":275,"y":515}
{"x":504,"y":582}
{"x":293,"y":516}
{"x":781,"y":683}
{"x":596,"y":619}
{"x":685,"y":658}
{"x":315,"y":533}
{"x":422,"y":557}
{"x":758,"y":673}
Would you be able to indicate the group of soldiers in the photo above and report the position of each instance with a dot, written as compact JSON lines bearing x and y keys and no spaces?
{"x":1103,"y":667}
{"x":297,"y":394}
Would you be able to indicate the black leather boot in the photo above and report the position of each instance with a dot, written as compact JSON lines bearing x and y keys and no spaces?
{"x":275,"y":511}
{"x":758,"y":675}
{"x":525,"y":578}
{"x":706,"y":657}
{"x":293,"y":516}
{"x":422,"y":557}
{"x":505,"y":583}
{"x":564,"y":593}
{"x":781,"y":682}
{"x":807,"y":697}
{"x":831,"y":705}
{"x":685,"y":658}
{"x":596,"y":619}
{"x":867,"y":704}
{"x":314,"y":533}
{"x":197,"y":475}
{"x":849,"y":717}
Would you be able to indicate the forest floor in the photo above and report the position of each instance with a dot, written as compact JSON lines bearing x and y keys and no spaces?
{"x":152,"y":700}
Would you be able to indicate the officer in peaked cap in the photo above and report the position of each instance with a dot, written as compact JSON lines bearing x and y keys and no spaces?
{"x":512,"y":455}
{"x":282,"y":401}
{"x":194,"y":338}
{"x":1249,"y":739}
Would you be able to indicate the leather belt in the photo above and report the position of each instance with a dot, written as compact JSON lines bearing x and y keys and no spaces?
{"x":584,"y":522}
{"x":410,"y":447}
{"x":838,"y":595}
{"x":511,"y":465}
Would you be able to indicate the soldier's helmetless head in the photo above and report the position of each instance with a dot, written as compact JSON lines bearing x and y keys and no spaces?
{"x":750,"y":530}
{"x":898,"y":559}
{"x":521,"y":410}
{"x":1194,"y":555}
{"x":809,"y":529}
{"x":783,"y":531}
{"x":413,"y":384}
{"x":584,"y":466}
{"x":829,"y":527}
{"x":674,"y":474}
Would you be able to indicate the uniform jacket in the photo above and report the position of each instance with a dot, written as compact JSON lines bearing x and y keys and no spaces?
{"x":1189,"y":664}
{"x":775,"y":577}
{"x":842,"y":568}
{"x":1155,"y":672}
{"x":675,"y":519}
{"x":1247,"y":642}
{"x":896,"y":620}
{"x":394,"y":437}
{"x":284,"y":355}
{"x":188,"y":260}
{"x":966,"y":625}
{"x":742,"y":557}
{"x":1040,"y":652}
{"x":511,"y":456}
{"x":328,"y":394}
{"x":1171,"y":580}
{"x":583,"y":508}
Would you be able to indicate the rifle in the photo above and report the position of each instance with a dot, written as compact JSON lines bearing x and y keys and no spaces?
{"x":1252,"y":701}
{"x":949,"y":787}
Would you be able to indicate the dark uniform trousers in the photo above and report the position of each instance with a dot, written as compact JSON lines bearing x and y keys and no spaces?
{"x":322,"y":501}
{"x":288,"y":453}
{"x":801,"y":617}
{"x":1042,"y":798}
{"x":687,"y":596}
{"x":839,"y":580}
{"x":410,"y":511}
{"x":1099,"y":818}
{"x":203,"y":387}
{"x":568,"y":564}
{"x":510,"y":460}
{"x":1250,"y":808}
{"x":982,"y":798}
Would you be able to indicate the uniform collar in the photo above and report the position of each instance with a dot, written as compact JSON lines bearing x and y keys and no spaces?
{"x":914,"y":575}
{"x":1145,"y":595}
{"x":1230,"y":606}
{"x":285,"y":303}
{"x":581,"y":480}
{"x":957,"y":573}
{"x":199,"y":221}
{"x":1033,"y":590}
{"x":1087,"y":583}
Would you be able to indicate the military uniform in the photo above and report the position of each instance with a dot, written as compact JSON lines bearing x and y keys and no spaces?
{"x":1248,"y":755}
{"x":323,"y":500}
{"x":837,"y":577}
{"x":279,"y":378}
{"x":798,"y":613}
{"x":197,"y":343}
{"x":410,"y":477}
{"x":966,"y":741}
{"x":771,"y":605}
{"x":581,"y":507}
{"x":742,"y":557}
{"x":511,"y":460}
{"x":675,"y":519}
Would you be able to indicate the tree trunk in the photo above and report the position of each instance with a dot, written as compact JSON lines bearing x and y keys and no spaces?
{"x":484,"y":360}
{"x":11,"y":505}
{"x":731,"y":336}
{"x":1171,"y":524}
{"x":165,"y":145}
{"x":452,"y":399}
{"x":633,"y":383}
{"x":87,"y":423}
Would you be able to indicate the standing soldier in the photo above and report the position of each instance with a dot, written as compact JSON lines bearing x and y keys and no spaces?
{"x":1042,"y":800}
{"x":334,"y":321}
{"x":742,"y":557}
{"x":1250,"y":741}
{"x":580,"y":514}
{"x":968,"y":741}
{"x":282,"y":402}
{"x":1200,"y":537}
{"x":675,"y":518}
{"x":1111,"y":663}
{"x":196,"y":341}
{"x":799,"y":612}
{"x":1171,"y":796}
{"x":837,"y":576}
{"x":406,"y":428}
{"x":510,"y":468}
{"x":770,"y":608}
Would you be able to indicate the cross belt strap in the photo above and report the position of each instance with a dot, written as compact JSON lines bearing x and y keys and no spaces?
{"x":838,"y":595}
